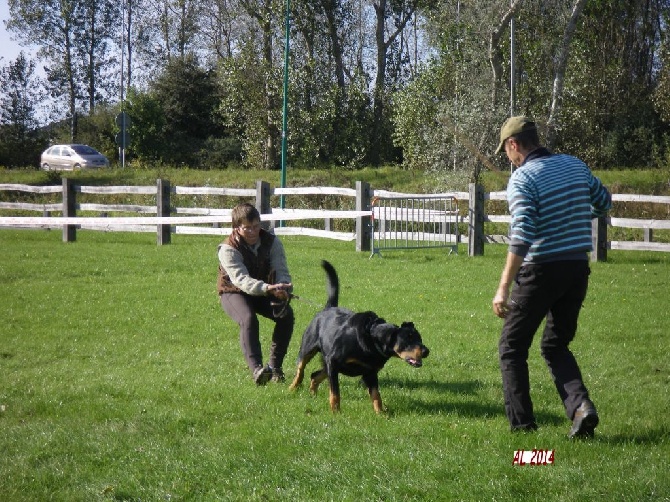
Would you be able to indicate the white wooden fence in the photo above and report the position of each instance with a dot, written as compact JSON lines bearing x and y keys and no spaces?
{"x":191,"y":220}
{"x":647,"y":225}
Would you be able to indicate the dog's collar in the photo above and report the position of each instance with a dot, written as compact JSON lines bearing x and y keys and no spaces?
{"x":379,"y":348}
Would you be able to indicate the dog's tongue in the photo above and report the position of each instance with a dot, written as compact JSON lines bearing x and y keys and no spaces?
{"x":413,"y":362}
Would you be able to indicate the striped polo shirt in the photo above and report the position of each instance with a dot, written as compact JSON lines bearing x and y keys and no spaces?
{"x":552,"y":199}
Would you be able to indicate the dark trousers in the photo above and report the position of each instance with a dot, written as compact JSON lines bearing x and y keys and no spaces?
{"x":554,"y":290}
{"x":243,"y":309}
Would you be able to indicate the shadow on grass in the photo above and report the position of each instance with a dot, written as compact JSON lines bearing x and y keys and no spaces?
{"x":469,"y":387}
{"x":633,"y":437}
{"x":464,"y":406}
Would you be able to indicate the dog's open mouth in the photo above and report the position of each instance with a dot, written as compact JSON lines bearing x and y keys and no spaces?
{"x":413,"y":362}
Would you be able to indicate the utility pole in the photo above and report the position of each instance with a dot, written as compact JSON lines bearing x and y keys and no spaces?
{"x":284,"y":134}
{"x":512,"y":74}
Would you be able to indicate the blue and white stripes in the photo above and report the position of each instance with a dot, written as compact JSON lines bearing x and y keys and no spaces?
{"x":552,"y":200}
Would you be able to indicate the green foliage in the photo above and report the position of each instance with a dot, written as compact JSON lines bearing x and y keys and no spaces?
{"x":219,"y":153}
{"x":188,"y":98}
{"x":127,"y":383}
{"x":350,"y":142}
{"x":20,"y":141}
{"x":225,"y":107}
{"x":242,"y":104}
{"x":146,"y":127}
{"x":98,"y":130}
{"x":609,"y":117}
{"x":417,"y":131}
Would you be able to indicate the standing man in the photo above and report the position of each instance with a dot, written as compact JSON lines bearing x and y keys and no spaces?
{"x":552,"y":199}
{"x":254,"y":279}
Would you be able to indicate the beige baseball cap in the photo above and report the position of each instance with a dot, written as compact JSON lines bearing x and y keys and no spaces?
{"x":512,"y":127}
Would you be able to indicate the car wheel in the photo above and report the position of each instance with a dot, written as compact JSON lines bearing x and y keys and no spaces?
{"x":46,"y":167}
{"x":76,"y":166}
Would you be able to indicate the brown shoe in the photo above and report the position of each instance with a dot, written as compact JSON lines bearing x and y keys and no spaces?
{"x":585,"y":421}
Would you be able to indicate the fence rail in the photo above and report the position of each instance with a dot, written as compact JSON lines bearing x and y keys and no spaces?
{"x":469,"y":214}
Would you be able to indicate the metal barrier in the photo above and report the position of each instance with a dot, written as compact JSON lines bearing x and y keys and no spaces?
{"x":414,"y":222}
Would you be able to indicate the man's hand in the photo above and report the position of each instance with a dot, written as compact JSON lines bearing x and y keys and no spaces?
{"x":512,"y":266}
{"x":500,"y":307}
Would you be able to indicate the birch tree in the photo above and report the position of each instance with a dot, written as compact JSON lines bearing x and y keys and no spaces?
{"x":559,"y":79}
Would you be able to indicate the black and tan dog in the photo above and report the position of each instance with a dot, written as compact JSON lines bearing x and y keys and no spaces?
{"x":354,"y":344}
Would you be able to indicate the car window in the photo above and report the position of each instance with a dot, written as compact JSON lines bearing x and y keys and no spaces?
{"x":84,"y":150}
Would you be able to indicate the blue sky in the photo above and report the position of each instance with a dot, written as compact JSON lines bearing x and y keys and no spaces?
{"x":8,"y":48}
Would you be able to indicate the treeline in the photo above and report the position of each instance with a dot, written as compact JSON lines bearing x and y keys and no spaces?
{"x":418,"y":83}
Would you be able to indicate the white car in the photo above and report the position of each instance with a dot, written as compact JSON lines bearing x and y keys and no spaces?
{"x":69,"y":157}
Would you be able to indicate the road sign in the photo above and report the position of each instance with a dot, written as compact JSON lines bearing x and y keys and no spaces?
{"x":123,"y":120}
{"x":122,"y":139}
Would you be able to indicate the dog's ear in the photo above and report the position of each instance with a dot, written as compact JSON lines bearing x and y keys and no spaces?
{"x":364,"y":321}
{"x":408,"y":325}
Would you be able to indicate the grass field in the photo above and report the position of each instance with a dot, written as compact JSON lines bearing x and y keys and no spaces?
{"x":122,"y":379}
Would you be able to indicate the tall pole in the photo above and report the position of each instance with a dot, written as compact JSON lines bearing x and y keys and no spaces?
{"x":284,"y":133}
{"x":512,"y":70}
{"x":122,"y":146}
{"x":512,"y":74}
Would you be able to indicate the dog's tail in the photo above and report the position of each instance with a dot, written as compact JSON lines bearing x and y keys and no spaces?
{"x":332,"y":284}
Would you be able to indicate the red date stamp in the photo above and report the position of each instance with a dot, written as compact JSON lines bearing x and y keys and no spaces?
{"x":533,"y":457}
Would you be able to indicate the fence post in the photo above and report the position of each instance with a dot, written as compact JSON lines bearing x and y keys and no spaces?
{"x":69,"y":210}
{"x":263,"y":202}
{"x":599,"y":239}
{"x":163,"y":210}
{"x":476,"y":220}
{"x":363,"y":223}
{"x":648,"y":235}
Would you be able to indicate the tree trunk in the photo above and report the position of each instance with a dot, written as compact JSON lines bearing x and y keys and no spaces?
{"x":379,"y":93}
{"x":72,"y":87}
{"x":263,"y":15}
{"x":329,"y":7}
{"x":90,"y":53}
{"x":559,"y":79}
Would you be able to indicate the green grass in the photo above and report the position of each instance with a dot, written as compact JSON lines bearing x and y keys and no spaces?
{"x":385,"y":178}
{"x":122,"y":379}
{"x":643,"y":181}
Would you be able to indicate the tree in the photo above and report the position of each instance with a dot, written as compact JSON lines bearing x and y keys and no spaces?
{"x":495,"y":50}
{"x":147,"y":128}
{"x":71,"y":37}
{"x":94,"y":31}
{"x":264,"y":14}
{"x":188,"y":96}
{"x":371,"y":81}
{"x":243,"y":106}
{"x":559,"y":79}
{"x":614,"y":65}
{"x":20,"y":97}
{"x":449,"y":99}
{"x":400,"y":12}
